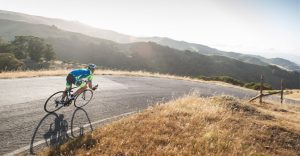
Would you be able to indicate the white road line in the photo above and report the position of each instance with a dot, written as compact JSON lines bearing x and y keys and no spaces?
{"x":22,"y":149}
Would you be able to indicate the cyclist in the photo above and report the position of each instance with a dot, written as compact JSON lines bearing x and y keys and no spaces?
{"x":77,"y":77}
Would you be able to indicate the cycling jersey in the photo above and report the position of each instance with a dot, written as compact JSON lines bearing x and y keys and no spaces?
{"x":76,"y":76}
{"x":82,"y":73}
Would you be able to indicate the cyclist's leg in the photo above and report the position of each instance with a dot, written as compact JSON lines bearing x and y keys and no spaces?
{"x":68,"y":87}
{"x":82,"y":87}
{"x":69,"y":80}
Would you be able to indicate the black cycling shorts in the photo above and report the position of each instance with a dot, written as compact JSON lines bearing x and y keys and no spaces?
{"x":70,"y":80}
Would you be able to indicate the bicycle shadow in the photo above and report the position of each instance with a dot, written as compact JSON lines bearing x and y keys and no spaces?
{"x":78,"y":127}
{"x":53,"y":129}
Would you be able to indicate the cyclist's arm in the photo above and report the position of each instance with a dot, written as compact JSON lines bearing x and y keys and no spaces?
{"x":89,"y":78}
{"x":90,"y":84}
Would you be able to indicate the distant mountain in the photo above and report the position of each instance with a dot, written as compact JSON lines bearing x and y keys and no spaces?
{"x":205,"y":50}
{"x":72,"y":26}
{"x":182,"y":45}
{"x":9,"y":29}
{"x":121,"y":38}
{"x":284,"y":63}
{"x":147,"y":56}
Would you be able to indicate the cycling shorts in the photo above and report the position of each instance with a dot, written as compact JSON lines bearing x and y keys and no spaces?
{"x":72,"y":80}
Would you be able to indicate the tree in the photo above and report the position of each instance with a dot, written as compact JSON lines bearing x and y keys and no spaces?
{"x":19,"y":46}
{"x":9,"y":62}
{"x":49,"y":53}
{"x":4,"y":47}
{"x":36,"y":47}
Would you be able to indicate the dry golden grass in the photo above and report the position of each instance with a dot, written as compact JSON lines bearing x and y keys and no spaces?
{"x":195,"y":126}
{"x":32,"y":73}
{"x":293,"y":94}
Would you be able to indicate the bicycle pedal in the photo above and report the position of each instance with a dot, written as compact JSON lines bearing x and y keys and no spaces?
{"x":68,"y":103}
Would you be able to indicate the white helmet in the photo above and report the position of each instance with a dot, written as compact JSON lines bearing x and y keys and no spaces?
{"x":92,"y":66}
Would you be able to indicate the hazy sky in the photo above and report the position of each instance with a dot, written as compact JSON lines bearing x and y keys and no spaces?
{"x":265,"y":27}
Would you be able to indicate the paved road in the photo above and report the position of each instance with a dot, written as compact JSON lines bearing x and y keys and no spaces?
{"x":25,"y":125}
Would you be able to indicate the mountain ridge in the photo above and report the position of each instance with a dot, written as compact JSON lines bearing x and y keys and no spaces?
{"x":147,"y":56}
{"x":75,"y":26}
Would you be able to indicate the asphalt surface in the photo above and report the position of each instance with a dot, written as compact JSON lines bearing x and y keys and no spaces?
{"x":25,"y":125}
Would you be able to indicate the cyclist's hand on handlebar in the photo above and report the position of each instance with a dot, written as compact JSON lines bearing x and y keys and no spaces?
{"x":95,"y":87}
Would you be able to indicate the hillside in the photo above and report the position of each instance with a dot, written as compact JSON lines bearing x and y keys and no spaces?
{"x":121,"y":38}
{"x":146,"y":56}
{"x":195,"y":126}
{"x":284,"y":63}
{"x":205,"y":50}
{"x":182,"y":45}
{"x":72,"y":26}
{"x":168,"y":60}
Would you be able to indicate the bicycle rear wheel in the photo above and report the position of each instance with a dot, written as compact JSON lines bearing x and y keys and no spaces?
{"x":53,"y":103}
{"x":83,"y":99}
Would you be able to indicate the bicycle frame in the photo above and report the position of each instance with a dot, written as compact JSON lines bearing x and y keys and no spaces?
{"x":57,"y":97}
{"x":70,"y":90}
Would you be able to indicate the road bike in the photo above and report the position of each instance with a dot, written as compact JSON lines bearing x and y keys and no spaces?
{"x":56,"y":100}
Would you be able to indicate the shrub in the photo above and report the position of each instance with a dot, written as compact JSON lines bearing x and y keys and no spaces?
{"x":256,"y":86}
{"x":8,"y":61}
{"x":226,"y":79}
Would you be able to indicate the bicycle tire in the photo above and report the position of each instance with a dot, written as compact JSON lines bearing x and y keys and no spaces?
{"x":48,"y":104}
{"x":84,"y":101}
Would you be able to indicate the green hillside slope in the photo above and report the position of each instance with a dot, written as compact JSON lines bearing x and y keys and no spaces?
{"x":78,"y":27}
{"x":147,"y":56}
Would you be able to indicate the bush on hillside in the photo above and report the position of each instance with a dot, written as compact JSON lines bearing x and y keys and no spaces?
{"x":27,"y":51}
{"x":31,"y":47}
{"x":256,"y":86}
{"x":4,"y":47}
{"x":226,"y":79}
{"x":8,"y":61}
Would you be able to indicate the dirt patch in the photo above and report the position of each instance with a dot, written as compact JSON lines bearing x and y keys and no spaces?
{"x":238,"y":107}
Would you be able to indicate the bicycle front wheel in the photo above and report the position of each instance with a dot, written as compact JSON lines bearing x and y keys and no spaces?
{"x":83,"y":99}
{"x":53,"y":103}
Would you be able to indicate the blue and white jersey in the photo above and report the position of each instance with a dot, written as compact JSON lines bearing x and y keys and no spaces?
{"x":82,"y":74}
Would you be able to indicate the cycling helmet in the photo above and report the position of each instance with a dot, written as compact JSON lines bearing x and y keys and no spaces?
{"x":92,"y":66}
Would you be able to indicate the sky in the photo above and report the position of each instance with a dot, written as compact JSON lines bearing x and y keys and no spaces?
{"x":264,"y":27}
